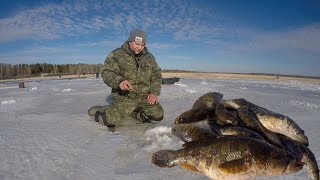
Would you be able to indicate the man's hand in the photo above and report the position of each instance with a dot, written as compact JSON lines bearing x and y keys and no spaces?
{"x":125,"y":85}
{"x":152,"y":99}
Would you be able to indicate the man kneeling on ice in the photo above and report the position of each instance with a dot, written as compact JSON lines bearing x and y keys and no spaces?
{"x":135,"y":78}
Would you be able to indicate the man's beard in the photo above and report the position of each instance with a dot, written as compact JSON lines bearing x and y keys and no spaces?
{"x":137,"y":51}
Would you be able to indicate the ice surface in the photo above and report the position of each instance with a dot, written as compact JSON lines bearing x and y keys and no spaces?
{"x":11,"y":101}
{"x":34,"y":89}
{"x":179,"y":84}
{"x":191,"y":91}
{"x":66,"y":90}
{"x":45,"y":133}
{"x":203,"y":82}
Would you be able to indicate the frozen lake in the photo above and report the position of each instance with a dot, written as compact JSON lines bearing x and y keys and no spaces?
{"x":45,"y":132}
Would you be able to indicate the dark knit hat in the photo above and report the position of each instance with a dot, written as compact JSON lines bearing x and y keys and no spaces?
{"x":138,"y":36}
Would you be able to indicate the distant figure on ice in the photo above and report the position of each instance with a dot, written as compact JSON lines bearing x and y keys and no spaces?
{"x":135,"y":78}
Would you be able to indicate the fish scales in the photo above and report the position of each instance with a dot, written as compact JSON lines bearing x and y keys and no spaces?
{"x":230,"y":158}
{"x":251,"y":121}
{"x":302,"y":153}
{"x":274,"y":122}
{"x":189,"y":132}
{"x":208,"y":100}
{"x":281,"y":124}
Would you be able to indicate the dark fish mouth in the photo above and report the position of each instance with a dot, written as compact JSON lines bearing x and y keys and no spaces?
{"x":180,"y":120}
{"x":295,"y":165}
{"x":300,"y":159}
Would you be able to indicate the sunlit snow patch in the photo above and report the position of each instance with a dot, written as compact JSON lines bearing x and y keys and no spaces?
{"x":159,"y":138}
{"x":191,"y":91}
{"x":34,"y":89}
{"x":243,"y":88}
{"x":11,"y":101}
{"x":66,"y":90}
{"x":179,"y":84}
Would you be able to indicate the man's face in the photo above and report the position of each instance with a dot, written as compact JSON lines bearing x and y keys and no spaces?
{"x":136,"y":47}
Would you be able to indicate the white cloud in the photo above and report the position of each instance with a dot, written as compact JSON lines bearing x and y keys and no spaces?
{"x":54,"y":21}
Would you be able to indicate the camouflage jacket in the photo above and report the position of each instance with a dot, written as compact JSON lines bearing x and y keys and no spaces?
{"x":141,"y":70}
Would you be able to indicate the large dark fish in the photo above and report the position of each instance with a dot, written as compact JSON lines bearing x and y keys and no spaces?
{"x":224,"y":117}
{"x":188,"y":133}
{"x":281,"y":124}
{"x":238,"y":103}
{"x":194,"y":115}
{"x":201,"y":109}
{"x":192,"y":132}
{"x":208,"y":100}
{"x":302,"y":153}
{"x":274,"y":122}
{"x":239,"y":131}
{"x":251,"y":121}
{"x":230,"y":158}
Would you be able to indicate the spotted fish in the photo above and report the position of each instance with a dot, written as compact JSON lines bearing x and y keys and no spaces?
{"x":302,"y":153}
{"x":189,"y":133}
{"x":194,"y":115}
{"x":208,"y":100}
{"x":230,"y":158}
{"x":274,"y":122}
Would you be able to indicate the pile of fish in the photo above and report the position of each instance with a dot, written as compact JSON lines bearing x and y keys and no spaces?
{"x":236,"y":139}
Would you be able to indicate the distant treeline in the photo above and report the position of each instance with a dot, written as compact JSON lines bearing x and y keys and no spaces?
{"x":261,"y":74}
{"x":9,"y":71}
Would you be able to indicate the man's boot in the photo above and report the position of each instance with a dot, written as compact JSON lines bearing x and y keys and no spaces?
{"x":140,"y":116}
{"x":94,"y":109}
{"x":102,"y":118}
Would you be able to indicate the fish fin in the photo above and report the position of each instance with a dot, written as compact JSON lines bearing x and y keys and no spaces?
{"x":273,"y":138}
{"x":190,"y":168}
{"x":197,"y":143}
{"x":190,"y":144}
{"x":163,"y":158}
{"x":235,"y":166}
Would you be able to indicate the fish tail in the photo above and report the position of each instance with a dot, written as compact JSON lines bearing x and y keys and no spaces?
{"x":163,"y":158}
{"x":311,"y":163}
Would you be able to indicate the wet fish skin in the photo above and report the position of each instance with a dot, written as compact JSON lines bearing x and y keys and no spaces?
{"x":272,"y":121}
{"x":240,"y":131}
{"x":208,"y":100}
{"x":236,"y":103}
{"x":230,"y":158}
{"x":311,"y":163}
{"x":251,"y":121}
{"x":224,"y":117}
{"x":241,"y":103}
{"x":281,"y":124}
{"x":194,"y":115}
{"x":302,"y":153}
{"x":188,"y":133}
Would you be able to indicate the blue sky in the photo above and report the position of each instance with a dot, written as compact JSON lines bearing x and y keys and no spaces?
{"x":259,"y":36}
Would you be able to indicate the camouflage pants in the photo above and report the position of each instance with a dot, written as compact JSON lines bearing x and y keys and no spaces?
{"x":123,"y":107}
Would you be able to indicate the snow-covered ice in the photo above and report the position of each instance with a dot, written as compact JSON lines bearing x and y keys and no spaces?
{"x":47,"y":134}
{"x":180,"y":84}
{"x":67,"y":90}
{"x":203,"y":82}
{"x":11,"y":101}
{"x":191,"y":91}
